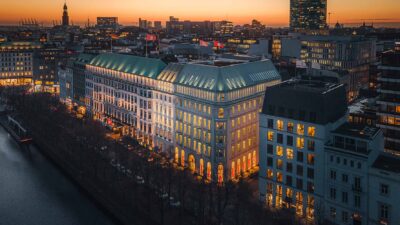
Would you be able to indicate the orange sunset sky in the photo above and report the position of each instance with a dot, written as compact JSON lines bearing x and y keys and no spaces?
{"x":270,"y":12}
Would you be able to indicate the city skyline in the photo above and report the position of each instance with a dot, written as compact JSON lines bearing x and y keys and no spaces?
{"x":269,"y":12}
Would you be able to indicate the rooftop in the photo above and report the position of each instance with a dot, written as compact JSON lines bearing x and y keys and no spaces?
{"x":148,"y":67}
{"x":388,"y":163}
{"x":308,"y":101}
{"x":357,"y":130}
{"x":221,"y":78}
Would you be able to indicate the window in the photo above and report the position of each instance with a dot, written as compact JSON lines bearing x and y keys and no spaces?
{"x":270,"y":162}
{"x":310,"y":173}
{"x":289,"y":167}
{"x":345,"y":178}
{"x":311,"y":145}
{"x":357,"y":201}
{"x":344,"y":197}
{"x":279,"y":177}
{"x":300,"y":143}
{"x":289,"y":180}
{"x":345,"y":217}
{"x":270,"y":174}
{"x":299,"y":184}
{"x":311,"y":131}
{"x":279,"y":124}
{"x":384,"y":212}
{"x":289,"y":140}
{"x":271,"y":123}
{"x":280,"y":138}
{"x":332,"y":193}
{"x":300,"y":129}
{"x":289,"y":154}
{"x":333,"y":175}
{"x":270,"y":149}
{"x":279,"y":164}
{"x":221,"y":113}
{"x":279,"y":150}
{"x":310,"y":159}
{"x":332,"y":212}
{"x":270,"y":136}
{"x":290,"y":126}
{"x":299,"y":170}
{"x":299,"y":156}
{"x":384,"y":189}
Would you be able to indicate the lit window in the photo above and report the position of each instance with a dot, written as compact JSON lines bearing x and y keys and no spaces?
{"x":279,"y":177}
{"x":220,"y":113}
{"x":300,"y":129}
{"x":279,"y":124}
{"x":289,"y":153}
{"x":270,"y":136}
{"x":311,"y":131}
{"x":270,"y":174}
{"x":279,"y":150}
{"x":300,"y":142}
{"x":290,"y":127}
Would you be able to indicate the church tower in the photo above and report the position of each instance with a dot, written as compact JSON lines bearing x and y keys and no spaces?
{"x":65,"y":17}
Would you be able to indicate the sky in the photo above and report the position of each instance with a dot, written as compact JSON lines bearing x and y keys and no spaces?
{"x":269,"y":12}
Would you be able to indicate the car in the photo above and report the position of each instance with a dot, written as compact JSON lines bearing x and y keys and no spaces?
{"x":175,"y":204}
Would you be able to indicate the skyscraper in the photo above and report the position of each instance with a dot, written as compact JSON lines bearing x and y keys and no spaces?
{"x":308,"y":14}
{"x":65,"y":17}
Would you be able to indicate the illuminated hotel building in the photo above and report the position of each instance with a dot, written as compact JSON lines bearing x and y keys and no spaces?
{"x":295,"y":123}
{"x":17,"y":63}
{"x":206,"y":116}
{"x":350,"y":53}
{"x":119,"y":92}
{"x":308,"y":14}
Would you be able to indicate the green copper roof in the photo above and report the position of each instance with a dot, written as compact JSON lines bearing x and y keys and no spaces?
{"x":221,"y":79}
{"x":147,"y":67}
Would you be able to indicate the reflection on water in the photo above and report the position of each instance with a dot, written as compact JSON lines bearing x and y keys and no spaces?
{"x":33,"y":191}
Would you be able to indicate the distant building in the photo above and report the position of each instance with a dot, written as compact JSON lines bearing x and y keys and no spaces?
{"x":157,"y":25}
{"x":65,"y":17}
{"x":17,"y":63}
{"x":389,"y":100}
{"x":107,"y":22}
{"x":351,"y":53}
{"x":143,"y":23}
{"x":308,"y":14}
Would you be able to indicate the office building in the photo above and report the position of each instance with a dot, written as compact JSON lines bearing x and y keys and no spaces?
{"x":17,"y":63}
{"x":295,"y":123}
{"x":349,"y":53}
{"x":389,"y":100}
{"x":107,"y":23}
{"x":308,"y":14}
{"x":205,"y":116}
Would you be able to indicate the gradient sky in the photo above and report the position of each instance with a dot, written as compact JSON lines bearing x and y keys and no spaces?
{"x":270,"y":12}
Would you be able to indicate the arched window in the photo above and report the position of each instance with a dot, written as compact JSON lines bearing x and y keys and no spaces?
{"x":249,"y":161}
{"x":220,"y":173}
{"x":209,"y":171}
{"x":238,"y":167}
{"x":244,"y":163}
{"x":176,"y":155}
{"x":233,"y":171}
{"x":254,"y":158}
{"x":192,"y":163}
{"x":183,"y":158}
{"x":201,"y":168}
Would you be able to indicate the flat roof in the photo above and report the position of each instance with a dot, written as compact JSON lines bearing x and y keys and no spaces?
{"x":387,"y":163}
{"x":357,"y":130}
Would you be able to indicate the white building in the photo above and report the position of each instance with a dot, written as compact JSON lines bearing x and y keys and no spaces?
{"x":206,"y":116}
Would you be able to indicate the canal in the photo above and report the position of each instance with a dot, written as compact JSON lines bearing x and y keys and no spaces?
{"x":34,"y":192}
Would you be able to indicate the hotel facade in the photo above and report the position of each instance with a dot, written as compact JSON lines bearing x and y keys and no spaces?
{"x":204,"y":116}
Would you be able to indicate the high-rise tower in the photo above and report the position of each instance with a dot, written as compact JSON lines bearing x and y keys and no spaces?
{"x":308,"y":14}
{"x":65,"y":17}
